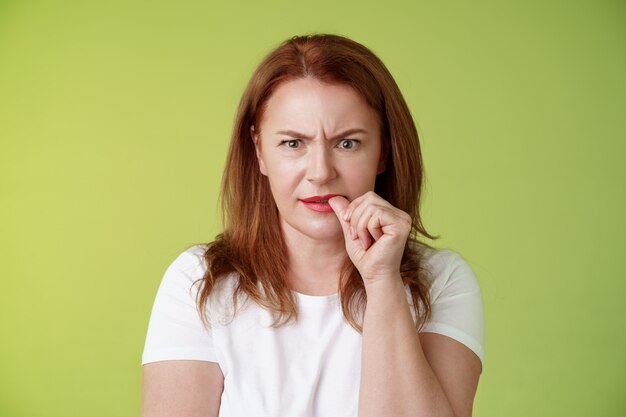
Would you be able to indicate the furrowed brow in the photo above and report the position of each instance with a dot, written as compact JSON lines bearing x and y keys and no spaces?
{"x":298,"y":135}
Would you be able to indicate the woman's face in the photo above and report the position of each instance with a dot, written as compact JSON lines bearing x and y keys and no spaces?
{"x":317,"y":140}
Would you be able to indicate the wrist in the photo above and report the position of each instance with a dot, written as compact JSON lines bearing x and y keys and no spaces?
{"x":389,"y":285}
{"x":387,"y":301}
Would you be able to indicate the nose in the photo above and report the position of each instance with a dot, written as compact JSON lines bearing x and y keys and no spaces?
{"x":320,"y":168}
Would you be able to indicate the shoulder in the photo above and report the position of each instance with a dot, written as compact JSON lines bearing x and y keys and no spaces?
{"x":456,"y":300}
{"x":175,"y":330}
{"x":190,"y":260}
{"x":183,"y":272}
{"x":189,"y":268}
{"x":184,"y":281}
{"x":448,"y":272}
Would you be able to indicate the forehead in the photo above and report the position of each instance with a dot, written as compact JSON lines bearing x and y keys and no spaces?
{"x":307,"y":103}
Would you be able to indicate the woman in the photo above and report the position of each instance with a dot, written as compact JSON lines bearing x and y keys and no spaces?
{"x":304,"y":306}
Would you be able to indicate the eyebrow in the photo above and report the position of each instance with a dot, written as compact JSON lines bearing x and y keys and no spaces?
{"x":299,"y":135}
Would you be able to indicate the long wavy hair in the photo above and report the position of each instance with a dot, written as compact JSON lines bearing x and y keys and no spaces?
{"x":251,"y":245}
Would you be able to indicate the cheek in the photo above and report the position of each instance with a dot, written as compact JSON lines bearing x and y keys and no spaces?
{"x":361,"y":176}
{"x":279,"y":165}
{"x":367,"y":180}
{"x":283,"y":176}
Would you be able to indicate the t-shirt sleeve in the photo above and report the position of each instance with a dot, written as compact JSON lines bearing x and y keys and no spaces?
{"x":175,"y":330}
{"x":456,"y":302}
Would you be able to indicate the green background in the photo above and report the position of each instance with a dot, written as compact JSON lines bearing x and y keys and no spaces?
{"x":114,"y":122}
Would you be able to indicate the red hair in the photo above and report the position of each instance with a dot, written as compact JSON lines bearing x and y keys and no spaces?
{"x":252,"y":244}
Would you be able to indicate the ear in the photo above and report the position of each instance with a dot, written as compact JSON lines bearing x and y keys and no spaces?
{"x":257,"y":147}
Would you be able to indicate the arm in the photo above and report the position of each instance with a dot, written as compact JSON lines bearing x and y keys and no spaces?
{"x":402,"y":373}
{"x":181,"y":376}
{"x":181,"y":388}
{"x":457,"y":369}
{"x":406,"y":375}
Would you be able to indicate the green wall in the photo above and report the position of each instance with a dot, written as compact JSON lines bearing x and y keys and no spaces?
{"x":114,"y":121}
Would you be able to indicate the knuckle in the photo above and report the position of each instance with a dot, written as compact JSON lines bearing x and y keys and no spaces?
{"x":370,"y":195}
{"x":409,"y":222}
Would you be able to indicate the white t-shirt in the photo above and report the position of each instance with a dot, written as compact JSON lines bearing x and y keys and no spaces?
{"x":306,"y":368}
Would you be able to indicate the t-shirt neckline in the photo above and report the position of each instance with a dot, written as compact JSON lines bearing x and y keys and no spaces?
{"x":306,"y":299}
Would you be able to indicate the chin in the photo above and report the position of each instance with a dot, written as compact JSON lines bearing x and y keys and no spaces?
{"x":326,"y":235}
{"x":323,"y":231}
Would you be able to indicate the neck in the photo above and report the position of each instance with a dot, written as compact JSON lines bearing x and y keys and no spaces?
{"x":314,"y":265}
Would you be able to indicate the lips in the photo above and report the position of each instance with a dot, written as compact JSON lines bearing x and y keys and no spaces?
{"x":319,"y":203}
{"x":319,"y":198}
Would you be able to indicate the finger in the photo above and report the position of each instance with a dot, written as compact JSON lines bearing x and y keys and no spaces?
{"x":360,"y":204}
{"x":365,"y":238}
{"x":375,"y":227}
{"x":339,"y":205}
{"x":362,"y":221}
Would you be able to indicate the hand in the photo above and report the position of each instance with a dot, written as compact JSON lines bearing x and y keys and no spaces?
{"x":375,"y":233}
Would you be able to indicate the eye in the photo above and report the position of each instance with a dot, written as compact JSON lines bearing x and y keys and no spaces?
{"x":348,"y":144}
{"x":291,"y":143}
